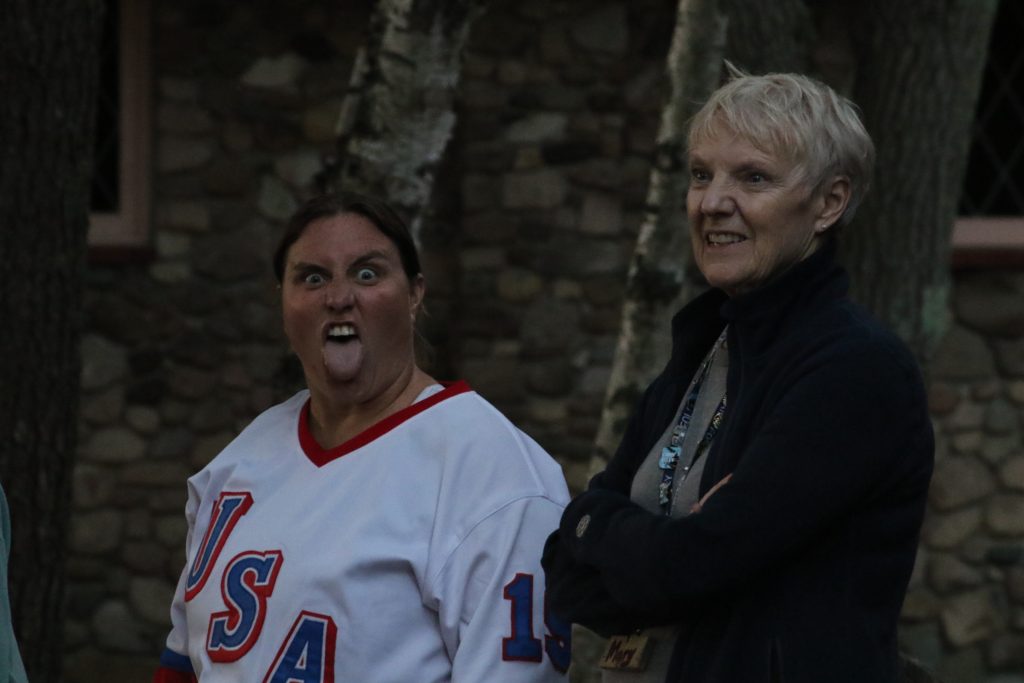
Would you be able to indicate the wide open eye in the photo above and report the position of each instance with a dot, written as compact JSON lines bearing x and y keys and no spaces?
{"x":314,"y":278}
{"x":366,"y":275}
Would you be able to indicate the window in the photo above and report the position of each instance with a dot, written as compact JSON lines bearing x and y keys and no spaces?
{"x":990,"y":230}
{"x":119,"y":217}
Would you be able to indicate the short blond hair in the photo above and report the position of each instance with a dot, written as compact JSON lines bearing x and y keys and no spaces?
{"x":798,"y":117}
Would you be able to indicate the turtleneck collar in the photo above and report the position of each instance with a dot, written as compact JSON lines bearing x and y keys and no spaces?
{"x":814,"y":277}
{"x":755,"y":318}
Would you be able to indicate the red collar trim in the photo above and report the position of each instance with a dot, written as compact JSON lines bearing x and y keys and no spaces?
{"x":321,"y":456}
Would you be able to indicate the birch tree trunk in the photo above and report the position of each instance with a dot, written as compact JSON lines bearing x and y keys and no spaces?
{"x":757,"y":37}
{"x":48,"y":84}
{"x":919,"y":71}
{"x":398,"y":116}
{"x":661,"y":273}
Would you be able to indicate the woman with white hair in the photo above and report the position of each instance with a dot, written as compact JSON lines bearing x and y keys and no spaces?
{"x":759,"y":521}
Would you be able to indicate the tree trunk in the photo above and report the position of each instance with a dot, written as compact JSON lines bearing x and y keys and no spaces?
{"x":918,"y":96}
{"x":769,"y":36}
{"x":48,"y":81}
{"x":398,"y":116}
{"x":660,"y":273}
{"x":757,"y":37}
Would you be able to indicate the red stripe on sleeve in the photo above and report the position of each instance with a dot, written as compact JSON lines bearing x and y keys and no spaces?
{"x":165,"y":675}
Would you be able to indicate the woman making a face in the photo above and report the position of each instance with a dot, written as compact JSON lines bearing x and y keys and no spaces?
{"x":379,"y":526}
{"x":759,"y":520}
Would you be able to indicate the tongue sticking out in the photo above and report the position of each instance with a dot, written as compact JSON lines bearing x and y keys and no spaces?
{"x":343,"y":359}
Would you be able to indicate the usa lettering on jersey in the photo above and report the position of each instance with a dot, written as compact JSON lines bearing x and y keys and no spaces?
{"x":307,"y":653}
{"x":247,"y":584}
{"x":227,"y":510}
{"x":308,"y":650}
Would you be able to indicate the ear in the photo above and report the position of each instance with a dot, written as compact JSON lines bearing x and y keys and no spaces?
{"x":417,"y":290}
{"x":833,"y":200}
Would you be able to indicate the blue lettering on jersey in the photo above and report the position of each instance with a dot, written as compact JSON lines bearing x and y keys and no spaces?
{"x":227,"y":510}
{"x":307,"y":655}
{"x":248,"y":581}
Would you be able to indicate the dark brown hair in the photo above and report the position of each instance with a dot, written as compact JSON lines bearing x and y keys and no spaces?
{"x":335,"y":204}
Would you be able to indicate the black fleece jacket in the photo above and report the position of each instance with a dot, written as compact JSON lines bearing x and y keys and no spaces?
{"x":795,"y":571}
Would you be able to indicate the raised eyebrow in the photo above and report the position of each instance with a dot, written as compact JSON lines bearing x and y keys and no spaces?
{"x":306,"y":266}
{"x":368,"y":257}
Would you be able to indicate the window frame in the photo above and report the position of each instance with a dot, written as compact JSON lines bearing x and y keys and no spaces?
{"x":126,"y":232}
{"x":983,"y":240}
{"x":988,"y":242}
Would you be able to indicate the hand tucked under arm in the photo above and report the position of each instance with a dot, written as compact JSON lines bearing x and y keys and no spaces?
{"x":576,"y":592}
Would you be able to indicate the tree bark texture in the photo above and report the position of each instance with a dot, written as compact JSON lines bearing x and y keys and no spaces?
{"x":660,"y":274}
{"x":769,"y":36}
{"x":48,"y":86}
{"x":757,"y":37}
{"x":398,"y":117}
{"x":919,"y":70}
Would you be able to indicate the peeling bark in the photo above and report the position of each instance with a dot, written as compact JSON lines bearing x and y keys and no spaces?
{"x":398,"y":116}
{"x":659,"y":279}
{"x":661,"y":271}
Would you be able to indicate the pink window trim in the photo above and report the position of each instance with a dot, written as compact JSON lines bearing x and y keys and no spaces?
{"x":989,"y":242}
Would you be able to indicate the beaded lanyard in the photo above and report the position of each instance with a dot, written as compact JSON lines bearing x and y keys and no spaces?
{"x":669,"y":460}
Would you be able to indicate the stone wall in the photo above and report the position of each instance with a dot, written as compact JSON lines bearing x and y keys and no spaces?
{"x":560,"y":108}
{"x":538,"y":206}
{"x":964,"y":613}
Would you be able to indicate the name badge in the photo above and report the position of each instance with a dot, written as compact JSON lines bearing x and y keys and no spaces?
{"x":626,"y":653}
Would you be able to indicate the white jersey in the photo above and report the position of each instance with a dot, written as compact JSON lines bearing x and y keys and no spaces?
{"x":409,"y":554}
